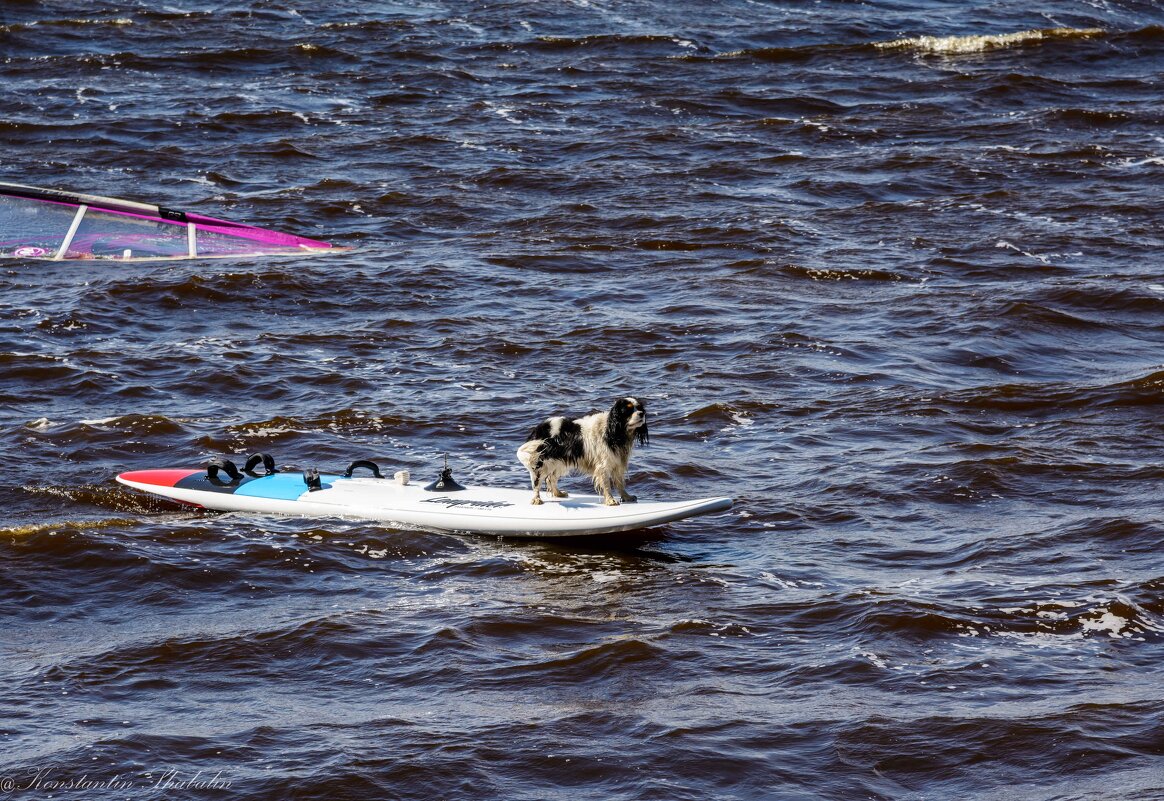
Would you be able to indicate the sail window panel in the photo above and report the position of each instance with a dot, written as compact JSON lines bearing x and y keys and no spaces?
{"x":244,"y":241}
{"x":113,"y":235}
{"x":33,"y":228}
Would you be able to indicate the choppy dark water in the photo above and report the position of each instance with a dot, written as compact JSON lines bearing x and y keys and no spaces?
{"x":901,"y":296}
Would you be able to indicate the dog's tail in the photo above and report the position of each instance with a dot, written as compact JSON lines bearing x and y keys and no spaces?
{"x":527,"y":454}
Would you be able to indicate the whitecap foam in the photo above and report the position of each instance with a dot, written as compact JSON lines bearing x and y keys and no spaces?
{"x":980,"y":43}
{"x":1105,"y":620}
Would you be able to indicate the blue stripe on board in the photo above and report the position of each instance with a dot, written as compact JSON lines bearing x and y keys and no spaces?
{"x":281,"y":486}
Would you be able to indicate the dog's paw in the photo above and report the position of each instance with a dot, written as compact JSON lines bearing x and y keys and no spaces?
{"x":630,"y":498}
{"x":610,"y":502}
{"x":561,"y":494}
{"x":537,"y":501}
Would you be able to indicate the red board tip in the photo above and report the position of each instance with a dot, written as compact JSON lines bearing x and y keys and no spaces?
{"x":157,"y":478}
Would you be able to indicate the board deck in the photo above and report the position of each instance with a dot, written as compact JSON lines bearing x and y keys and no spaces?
{"x":483,"y":510}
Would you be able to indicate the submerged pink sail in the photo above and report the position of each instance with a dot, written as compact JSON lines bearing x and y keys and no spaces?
{"x":45,"y":224}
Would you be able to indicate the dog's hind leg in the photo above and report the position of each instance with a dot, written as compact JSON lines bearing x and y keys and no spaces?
{"x":552,"y":487}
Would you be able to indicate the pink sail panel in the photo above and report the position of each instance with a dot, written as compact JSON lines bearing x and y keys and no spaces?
{"x":44,"y":224}
{"x":221,"y":237}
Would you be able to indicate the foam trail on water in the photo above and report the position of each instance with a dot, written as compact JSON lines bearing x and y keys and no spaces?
{"x":979,"y":43}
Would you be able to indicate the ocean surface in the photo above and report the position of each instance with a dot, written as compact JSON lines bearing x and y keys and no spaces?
{"x":888,"y":273}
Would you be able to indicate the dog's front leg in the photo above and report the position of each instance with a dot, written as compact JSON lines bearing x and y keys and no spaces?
{"x":620,"y":483}
{"x":603,"y":486}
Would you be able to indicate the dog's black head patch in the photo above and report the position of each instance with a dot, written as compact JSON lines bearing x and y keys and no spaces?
{"x":618,"y":431}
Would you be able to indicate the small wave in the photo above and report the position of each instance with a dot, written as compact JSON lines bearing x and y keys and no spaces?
{"x":936,"y":45}
{"x":1112,"y":617}
{"x":137,"y":424}
{"x":1089,"y":118}
{"x":65,"y":23}
{"x":338,"y":422}
{"x":121,"y":437}
{"x":612,"y":40}
{"x":1150,"y":33}
{"x":32,"y":376}
{"x":234,"y":59}
{"x":106,"y":497}
{"x":245,"y":120}
{"x":834,"y":274}
{"x":699,"y":626}
{"x":370,"y":27}
{"x":35,"y":366}
{"x":782,"y":55}
{"x":592,"y":663}
{"x":236,"y":286}
{"x":981,"y":43}
{"x":784,"y":107}
{"x":1147,"y":390}
{"x":947,"y":750}
{"x":1028,"y":313}
{"x":878,"y":614}
{"x":315,"y":643}
{"x":1099,"y":296}
{"x":33,"y":529}
{"x":729,"y":415}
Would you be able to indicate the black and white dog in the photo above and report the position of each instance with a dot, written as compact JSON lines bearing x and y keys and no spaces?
{"x":598,"y":444}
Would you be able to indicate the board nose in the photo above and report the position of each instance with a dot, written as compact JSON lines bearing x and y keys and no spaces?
{"x":156,"y":478}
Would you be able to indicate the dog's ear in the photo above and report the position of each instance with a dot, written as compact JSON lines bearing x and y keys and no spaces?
{"x":622,"y":410}
{"x":540,"y":431}
{"x":616,"y":435}
{"x":641,"y":434}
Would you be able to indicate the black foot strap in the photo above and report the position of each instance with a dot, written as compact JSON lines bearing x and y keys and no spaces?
{"x":225,"y":465}
{"x":267,"y":461}
{"x":363,"y":463}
